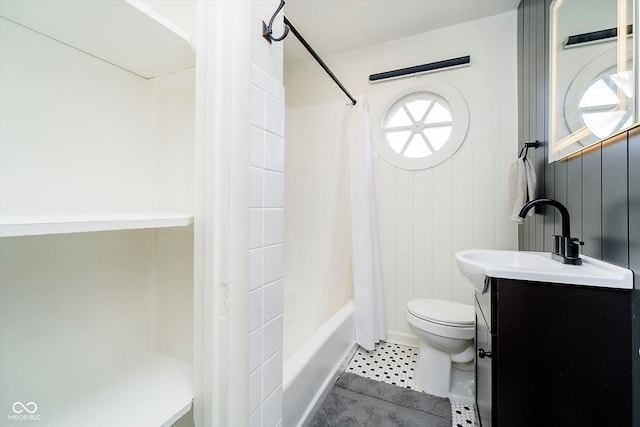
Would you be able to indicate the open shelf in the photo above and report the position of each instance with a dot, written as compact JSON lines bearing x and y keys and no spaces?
{"x":98,"y":138}
{"x":156,"y":391}
{"x":35,"y":225}
{"x":126,"y":33}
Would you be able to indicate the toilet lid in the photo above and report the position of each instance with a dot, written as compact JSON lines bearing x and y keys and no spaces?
{"x":442,"y":311}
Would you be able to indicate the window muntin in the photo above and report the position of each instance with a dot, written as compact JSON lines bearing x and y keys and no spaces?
{"x":598,"y":102}
{"x":606,"y":104}
{"x":418,"y":125}
{"x":421,"y":126}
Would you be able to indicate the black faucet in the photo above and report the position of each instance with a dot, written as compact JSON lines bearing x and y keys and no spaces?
{"x":565,"y":247}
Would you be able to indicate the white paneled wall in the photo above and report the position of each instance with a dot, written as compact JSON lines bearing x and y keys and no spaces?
{"x":425,"y":216}
{"x":266,"y":221}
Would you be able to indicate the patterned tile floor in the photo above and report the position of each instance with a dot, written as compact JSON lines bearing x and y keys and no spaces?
{"x":395,"y":364}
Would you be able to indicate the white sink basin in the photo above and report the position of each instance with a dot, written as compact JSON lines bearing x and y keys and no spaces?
{"x":476,"y":264}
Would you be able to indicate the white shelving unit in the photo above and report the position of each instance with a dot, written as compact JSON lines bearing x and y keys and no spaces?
{"x":158,"y":388}
{"x":30,"y":225}
{"x":126,"y":33}
{"x":96,"y":213}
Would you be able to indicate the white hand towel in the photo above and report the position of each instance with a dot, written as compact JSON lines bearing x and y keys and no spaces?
{"x":522,"y":187}
{"x":531,"y":180}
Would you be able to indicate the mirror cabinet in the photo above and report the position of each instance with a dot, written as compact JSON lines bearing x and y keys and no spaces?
{"x":593,"y":78}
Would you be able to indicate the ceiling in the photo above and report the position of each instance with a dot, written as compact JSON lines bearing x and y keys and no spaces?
{"x":333,"y":26}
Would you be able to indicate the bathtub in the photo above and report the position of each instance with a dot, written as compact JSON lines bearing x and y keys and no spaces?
{"x":318,"y":361}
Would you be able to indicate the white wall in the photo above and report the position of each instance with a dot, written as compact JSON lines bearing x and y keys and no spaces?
{"x":82,"y":136}
{"x":264,"y":55}
{"x":77,"y":308}
{"x":50,"y":138}
{"x":425,"y":216}
{"x":182,"y":13}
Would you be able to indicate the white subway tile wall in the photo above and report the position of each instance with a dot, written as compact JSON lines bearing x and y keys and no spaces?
{"x":266,"y":219}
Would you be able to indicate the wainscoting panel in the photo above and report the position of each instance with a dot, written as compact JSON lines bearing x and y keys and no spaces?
{"x":634,"y":209}
{"x":634,"y":256}
{"x":592,"y":203}
{"x":387,"y":221}
{"x":599,"y":186}
{"x":615,"y":220}
{"x":574,"y":194}
{"x":560,"y":193}
{"x":427,"y":216}
{"x":423,"y":211}
{"x":462,"y":232}
{"x":404,"y":245}
{"x":503,"y":235}
{"x":442,"y":230}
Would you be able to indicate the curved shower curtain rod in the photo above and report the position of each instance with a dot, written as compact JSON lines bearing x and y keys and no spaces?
{"x":267,"y":33}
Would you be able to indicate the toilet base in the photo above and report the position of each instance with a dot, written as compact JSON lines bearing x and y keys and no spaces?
{"x":437,"y":375}
{"x":433,"y":371}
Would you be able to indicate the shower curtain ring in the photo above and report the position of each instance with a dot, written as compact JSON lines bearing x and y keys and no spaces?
{"x":267,"y":30}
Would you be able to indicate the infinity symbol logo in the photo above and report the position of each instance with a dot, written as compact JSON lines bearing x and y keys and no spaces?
{"x":19,"y":407}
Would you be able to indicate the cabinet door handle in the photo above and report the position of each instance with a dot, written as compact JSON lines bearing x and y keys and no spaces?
{"x":482,"y":354}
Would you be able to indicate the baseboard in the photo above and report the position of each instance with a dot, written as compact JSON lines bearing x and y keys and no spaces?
{"x":402,"y":338}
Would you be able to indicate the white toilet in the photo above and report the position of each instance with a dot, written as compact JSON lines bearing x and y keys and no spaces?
{"x":446,"y":330}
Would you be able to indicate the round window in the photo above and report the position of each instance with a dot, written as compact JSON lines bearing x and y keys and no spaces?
{"x":603,"y":94}
{"x":421,"y":127}
{"x":606,"y":104}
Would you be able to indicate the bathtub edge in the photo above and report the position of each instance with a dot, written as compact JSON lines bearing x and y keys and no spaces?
{"x":318,"y":361}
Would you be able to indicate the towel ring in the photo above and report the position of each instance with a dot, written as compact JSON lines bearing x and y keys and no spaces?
{"x":526,"y":146}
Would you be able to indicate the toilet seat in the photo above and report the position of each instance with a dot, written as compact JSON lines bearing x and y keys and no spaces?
{"x":442,"y":312}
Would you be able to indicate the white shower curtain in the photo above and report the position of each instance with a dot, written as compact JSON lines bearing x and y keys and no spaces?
{"x":365,"y":254}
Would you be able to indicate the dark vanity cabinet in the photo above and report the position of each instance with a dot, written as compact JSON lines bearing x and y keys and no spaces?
{"x":553,"y":355}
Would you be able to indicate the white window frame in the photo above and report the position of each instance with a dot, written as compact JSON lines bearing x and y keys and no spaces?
{"x":459,"y":111}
